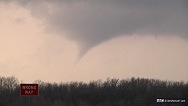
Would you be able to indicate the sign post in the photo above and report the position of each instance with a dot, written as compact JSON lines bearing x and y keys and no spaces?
{"x":29,"y":90}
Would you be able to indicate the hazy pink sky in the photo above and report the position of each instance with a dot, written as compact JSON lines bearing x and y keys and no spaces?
{"x":30,"y":49}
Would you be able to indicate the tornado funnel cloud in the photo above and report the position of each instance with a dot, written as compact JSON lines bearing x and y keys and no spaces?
{"x":93,"y":22}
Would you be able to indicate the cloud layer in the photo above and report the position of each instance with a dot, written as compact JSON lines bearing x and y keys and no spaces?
{"x":91,"y":22}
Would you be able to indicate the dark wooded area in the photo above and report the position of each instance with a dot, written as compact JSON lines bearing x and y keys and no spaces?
{"x":111,"y":92}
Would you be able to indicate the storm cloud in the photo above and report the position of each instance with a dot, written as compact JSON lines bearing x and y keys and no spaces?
{"x":92,"y":22}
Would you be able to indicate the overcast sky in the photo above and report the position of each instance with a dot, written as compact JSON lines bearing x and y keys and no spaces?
{"x":83,"y":40}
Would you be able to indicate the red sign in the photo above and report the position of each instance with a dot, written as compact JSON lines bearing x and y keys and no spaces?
{"x":29,"y":90}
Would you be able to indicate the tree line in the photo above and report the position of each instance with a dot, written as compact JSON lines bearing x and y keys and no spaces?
{"x":111,"y":92}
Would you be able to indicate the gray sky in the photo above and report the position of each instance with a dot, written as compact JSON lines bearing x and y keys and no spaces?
{"x":87,"y":40}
